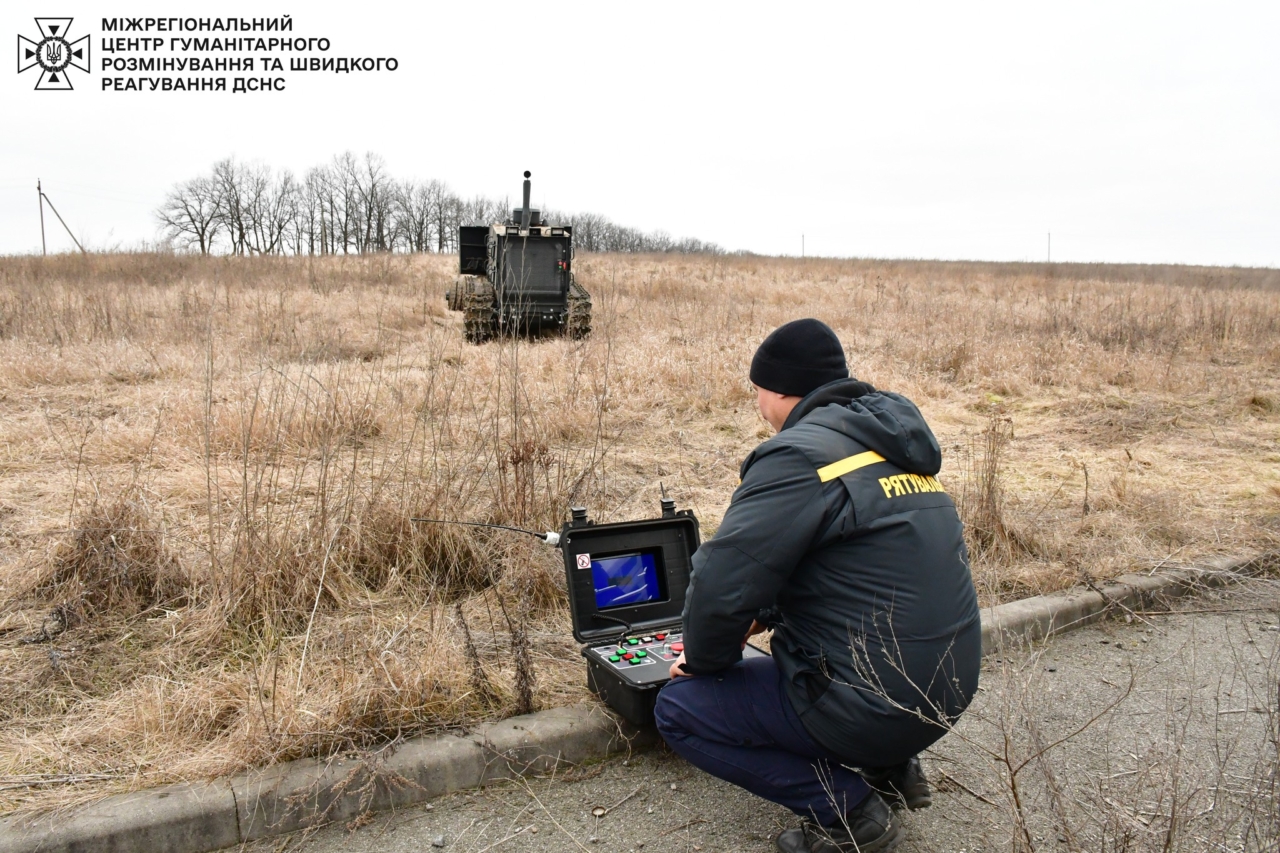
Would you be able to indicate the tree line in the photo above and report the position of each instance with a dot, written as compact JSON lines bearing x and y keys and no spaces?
{"x":352,"y":205}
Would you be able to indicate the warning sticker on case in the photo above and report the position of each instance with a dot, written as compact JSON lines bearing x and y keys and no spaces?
{"x":584,"y":561}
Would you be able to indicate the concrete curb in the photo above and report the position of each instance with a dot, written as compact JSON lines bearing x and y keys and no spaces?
{"x":198,"y":817}
{"x":1040,"y":617}
{"x":193,"y":817}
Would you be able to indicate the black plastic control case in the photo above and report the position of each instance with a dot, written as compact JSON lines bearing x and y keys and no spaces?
{"x":648,"y":629}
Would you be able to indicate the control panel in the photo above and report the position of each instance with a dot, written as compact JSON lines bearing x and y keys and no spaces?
{"x":645,"y":659}
{"x":641,"y":659}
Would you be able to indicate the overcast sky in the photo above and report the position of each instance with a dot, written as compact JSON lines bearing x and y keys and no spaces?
{"x":1132,"y":132}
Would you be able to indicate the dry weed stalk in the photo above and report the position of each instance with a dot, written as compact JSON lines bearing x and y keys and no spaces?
{"x":982,"y":499}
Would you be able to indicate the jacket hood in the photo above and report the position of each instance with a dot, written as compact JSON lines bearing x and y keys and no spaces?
{"x":887,"y":423}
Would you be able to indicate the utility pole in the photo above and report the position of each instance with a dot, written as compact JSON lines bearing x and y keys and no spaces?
{"x":1049,"y":257}
{"x":43,"y":199}
{"x":40,"y":193}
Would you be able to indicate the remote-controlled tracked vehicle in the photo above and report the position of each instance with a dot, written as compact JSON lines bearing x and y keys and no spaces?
{"x":517,"y":276}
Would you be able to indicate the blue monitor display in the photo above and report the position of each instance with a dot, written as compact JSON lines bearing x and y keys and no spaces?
{"x":625,"y":580}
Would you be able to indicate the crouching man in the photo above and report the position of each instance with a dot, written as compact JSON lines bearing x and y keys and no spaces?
{"x":842,"y":541}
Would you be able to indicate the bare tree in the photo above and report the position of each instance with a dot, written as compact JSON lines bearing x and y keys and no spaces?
{"x":588,"y":231}
{"x":273,"y":208}
{"x":255,"y":191}
{"x":373,"y":193}
{"x":482,"y":211}
{"x":344,"y":196}
{"x":189,"y":214}
{"x":446,"y":217}
{"x":306,"y":232}
{"x":228,"y":181}
{"x":414,"y":203}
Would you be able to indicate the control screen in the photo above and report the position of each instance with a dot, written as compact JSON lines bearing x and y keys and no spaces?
{"x":625,"y":579}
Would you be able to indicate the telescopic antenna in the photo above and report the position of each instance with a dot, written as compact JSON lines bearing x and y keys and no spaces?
{"x":550,"y":537}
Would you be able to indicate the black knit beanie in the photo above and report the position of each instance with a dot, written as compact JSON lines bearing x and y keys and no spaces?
{"x":798,"y":357}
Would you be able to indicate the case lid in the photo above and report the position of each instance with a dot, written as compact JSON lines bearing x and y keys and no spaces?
{"x":628,"y":576}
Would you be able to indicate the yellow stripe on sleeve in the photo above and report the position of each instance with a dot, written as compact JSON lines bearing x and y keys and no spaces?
{"x":849,"y":463}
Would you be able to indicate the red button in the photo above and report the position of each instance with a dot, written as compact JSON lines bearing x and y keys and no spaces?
{"x":677,"y":647}
{"x":660,"y":636}
{"x":628,"y":656}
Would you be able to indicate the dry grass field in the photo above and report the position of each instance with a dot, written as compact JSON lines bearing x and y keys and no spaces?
{"x":209,"y":467}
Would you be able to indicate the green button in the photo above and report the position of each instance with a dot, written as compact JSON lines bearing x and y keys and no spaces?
{"x":634,"y":661}
{"x":641,"y":653}
{"x":614,"y":658}
{"x":633,"y":642}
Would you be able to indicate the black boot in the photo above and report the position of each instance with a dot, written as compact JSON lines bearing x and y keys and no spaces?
{"x":791,"y":841}
{"x":868,"y":827}
{"x":902,"y":785}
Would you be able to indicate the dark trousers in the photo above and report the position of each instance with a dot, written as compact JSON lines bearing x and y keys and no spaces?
{"x":739,"y":726}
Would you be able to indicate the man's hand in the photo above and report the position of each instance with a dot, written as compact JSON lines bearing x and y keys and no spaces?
{"x":677,"y":668}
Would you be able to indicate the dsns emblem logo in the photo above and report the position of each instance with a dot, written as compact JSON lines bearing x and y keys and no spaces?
{"x":53,"y":53}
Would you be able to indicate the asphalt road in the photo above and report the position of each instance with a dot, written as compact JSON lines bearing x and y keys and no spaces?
{"x":1159,"y":732}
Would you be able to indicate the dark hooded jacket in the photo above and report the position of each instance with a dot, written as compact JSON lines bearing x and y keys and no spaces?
{"x":841,"y":539}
